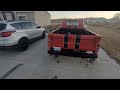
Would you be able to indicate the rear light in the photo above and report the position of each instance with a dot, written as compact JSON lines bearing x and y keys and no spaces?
{"x":96,"y":38}
{"x":98,"y":45}
{"x":6,"y":34}
{"x":49,"y":38}
{"x":49,"y":41}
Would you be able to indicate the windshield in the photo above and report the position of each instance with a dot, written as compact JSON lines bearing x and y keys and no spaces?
{"x":73,"y":23}
{"x":2,"y":26}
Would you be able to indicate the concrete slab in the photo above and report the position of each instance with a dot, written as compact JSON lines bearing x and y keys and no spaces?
{"x":38,"y":64}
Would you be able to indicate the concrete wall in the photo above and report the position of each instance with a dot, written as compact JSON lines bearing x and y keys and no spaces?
{"x":42,"y":18}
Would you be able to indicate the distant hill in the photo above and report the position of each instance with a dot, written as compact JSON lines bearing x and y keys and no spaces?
{"x":90,"y":19}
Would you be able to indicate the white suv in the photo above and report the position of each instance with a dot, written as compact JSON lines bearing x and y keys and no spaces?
{"x":19,"y":33}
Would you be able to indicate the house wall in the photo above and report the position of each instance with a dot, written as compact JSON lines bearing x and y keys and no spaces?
{"x":30,"y":15}
{"x":7,"y":12}
{"x":42,"y":18}
{"x":1,"y":17}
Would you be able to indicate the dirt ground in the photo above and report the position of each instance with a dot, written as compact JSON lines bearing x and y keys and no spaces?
{"x":52,"y":27}
{"x":110,"y":38}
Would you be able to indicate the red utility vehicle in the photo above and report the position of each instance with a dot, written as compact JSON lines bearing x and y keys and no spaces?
{"x":73,"y":36}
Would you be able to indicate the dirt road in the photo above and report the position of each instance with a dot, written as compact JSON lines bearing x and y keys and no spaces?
{"x":110,"y":39}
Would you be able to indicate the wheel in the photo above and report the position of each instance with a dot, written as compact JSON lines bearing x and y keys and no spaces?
{"x":23,"y":44}
{"x":95,"y":56}
{"x":43,"y":35}
{"x":82,"y":51}
{"x":50,"y":52}
{"x":3,"y":48}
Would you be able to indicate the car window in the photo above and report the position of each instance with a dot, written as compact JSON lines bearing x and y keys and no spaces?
{"x":25,"y":25}
{"x":33,"y":25}
{"x":72,"y":23}
{"x":2,"y":26}
{"x":16,"y":25}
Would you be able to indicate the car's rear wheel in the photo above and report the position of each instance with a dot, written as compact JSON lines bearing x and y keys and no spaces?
{"x":23,"y":44}
{"x":43,"y":35}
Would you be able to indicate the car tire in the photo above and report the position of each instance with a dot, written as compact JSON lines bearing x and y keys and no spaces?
{"x":3,"y":48}
{"x":23,"y":44}
{"x":43,"y":35}
{"x":82,"y":51}
{"x":95,"y":56}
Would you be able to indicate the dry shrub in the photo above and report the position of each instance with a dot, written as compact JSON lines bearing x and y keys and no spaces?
{"x":52,"y":27}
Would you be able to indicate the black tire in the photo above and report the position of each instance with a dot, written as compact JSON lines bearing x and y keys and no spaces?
{"x":3,"y":48}
{"x":82,"y":51}
{"x":43,"y":35}
{"x":95,"y":56}
{"x":23,"y":44}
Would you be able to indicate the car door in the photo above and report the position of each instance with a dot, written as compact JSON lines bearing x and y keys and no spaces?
{"x":26,"y":27}
{"x":37,"y":29}
{"x":21,"y":28}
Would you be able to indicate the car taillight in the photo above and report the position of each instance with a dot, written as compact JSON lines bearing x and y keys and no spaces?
{"x":98,"y":45}
{"x":96,"y":38}
{"x":6,"y":34}
{"x":49,"y":41}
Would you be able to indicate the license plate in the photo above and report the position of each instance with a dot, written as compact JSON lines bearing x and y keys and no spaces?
{"x":57,"y":48}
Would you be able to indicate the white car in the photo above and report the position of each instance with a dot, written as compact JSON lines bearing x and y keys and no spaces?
{"x":19,"y":33}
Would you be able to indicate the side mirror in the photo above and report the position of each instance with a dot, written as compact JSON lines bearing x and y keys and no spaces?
{"x":38,"y":27}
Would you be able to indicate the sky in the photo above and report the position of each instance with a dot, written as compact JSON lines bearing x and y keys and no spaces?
{"x":81,"y":14}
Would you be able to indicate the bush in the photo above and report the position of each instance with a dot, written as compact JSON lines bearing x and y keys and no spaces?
{"x":52,"y":27}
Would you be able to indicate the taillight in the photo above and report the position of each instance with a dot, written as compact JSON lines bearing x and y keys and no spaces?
{"x":49,"y":38}
{"x":98,"y":45}
{"x":6,"y":34}
{"x":97,"y":38}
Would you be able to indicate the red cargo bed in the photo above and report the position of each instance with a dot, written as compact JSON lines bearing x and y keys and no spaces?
{"x":75,"y":38}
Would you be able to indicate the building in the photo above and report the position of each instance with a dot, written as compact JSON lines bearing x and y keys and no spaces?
{"x":42,"y":18}
{"x":96,"y":20}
